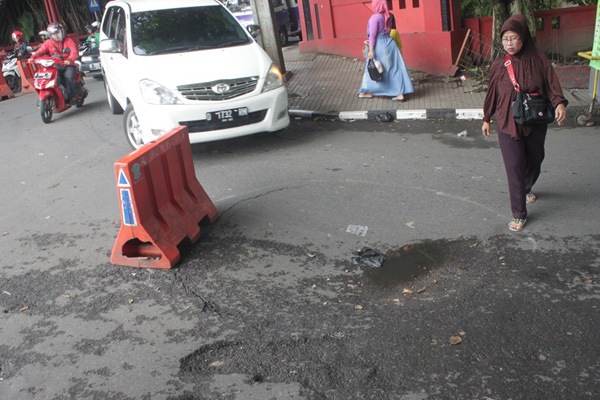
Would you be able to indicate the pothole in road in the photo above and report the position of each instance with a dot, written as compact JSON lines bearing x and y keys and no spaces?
{"x":409,"y":263}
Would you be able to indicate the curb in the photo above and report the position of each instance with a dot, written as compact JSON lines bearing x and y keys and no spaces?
{"x":438,"y":113}
{"x":419,"y":114}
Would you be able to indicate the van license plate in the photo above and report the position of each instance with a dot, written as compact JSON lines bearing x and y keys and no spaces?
{"x":228,"y":115}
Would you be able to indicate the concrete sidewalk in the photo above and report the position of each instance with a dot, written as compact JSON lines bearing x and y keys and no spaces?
{"x":327,"y":85}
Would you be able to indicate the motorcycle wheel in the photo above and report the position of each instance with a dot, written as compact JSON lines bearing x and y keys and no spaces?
{"x":132,"y":127}
{"x":81,"y":98}
{"x":13,"y":83}
{"x":46,"y":109}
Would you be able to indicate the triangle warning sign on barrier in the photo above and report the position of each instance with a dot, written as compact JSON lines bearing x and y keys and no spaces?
{"x":122,"y":181}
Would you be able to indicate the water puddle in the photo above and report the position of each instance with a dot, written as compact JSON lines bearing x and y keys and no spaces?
{"x":408,"y":263}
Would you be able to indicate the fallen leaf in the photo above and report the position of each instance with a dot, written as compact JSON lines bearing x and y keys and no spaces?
{"x":406,"y":248}
{"x":311,"y":255}
{"x":410,"y":224}
{"x":454,"y":340}
{"x":396,"y":300}
{"x":314,"y":286}
{"x":501,"y":258}
{"x":66,"y":296}
{"x":4,"y":233}
{"x":351,"y":286}
{"x":474,"y":245}
{"x":358,"y":307}
{"x":130,"y":301}
{"x":434,"y":281}
{"x":23,"y":309}
{"x":250,"y":253}
{"x":462,"y":333}
{"x":49,"y":216}
{"x":5,"y":292}
{"x":407,"y":291}
{"x":588,"y":281}
{"x":421,"y":290}
{"x":217,"y":364}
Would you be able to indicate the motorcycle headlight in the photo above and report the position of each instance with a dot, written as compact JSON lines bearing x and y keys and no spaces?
{"x":157,"y":94}
{"x":46,"y":62}
{"x":273,"y":79}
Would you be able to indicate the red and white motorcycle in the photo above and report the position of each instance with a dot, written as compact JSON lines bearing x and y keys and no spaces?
{"x":51,"y":93}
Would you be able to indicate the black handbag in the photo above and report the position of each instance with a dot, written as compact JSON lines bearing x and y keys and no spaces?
{"x":374,"y":74}
{"x":528,"y":108}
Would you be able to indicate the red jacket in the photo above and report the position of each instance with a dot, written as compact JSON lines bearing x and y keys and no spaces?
{"x":51,"y":48}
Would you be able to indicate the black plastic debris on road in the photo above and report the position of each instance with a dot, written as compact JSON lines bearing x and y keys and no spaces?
{"x":367,"y":257}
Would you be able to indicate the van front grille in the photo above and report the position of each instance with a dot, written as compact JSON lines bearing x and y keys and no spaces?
{"x":219,"y":90}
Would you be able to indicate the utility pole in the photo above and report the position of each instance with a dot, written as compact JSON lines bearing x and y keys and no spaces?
{"x":265,"y":17}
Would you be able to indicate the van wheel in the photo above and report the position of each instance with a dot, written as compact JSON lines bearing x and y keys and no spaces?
{"x":283,"y":36}
{"x":133,"y":130}
{"x":114,"y":105}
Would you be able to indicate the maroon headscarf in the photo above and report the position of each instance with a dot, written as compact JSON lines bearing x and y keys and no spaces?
{"x":517,"y":23}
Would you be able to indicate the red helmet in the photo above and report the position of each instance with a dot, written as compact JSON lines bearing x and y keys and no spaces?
{"x":56,"y":31}
{"x":17,"y":36}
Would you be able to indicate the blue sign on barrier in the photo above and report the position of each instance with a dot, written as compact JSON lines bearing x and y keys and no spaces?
{"x":122,"y":181}
{"x":127,"y":208}
{"x":94,"y":5}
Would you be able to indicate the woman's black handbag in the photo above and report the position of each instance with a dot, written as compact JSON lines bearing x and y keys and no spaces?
{"x":528,"y":108}
{"x":532,"y":109}
{"x":374,"y":74}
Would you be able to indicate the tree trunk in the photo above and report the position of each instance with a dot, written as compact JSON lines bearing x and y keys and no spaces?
{"x":500,"y":15}
{"x":525,"y":7}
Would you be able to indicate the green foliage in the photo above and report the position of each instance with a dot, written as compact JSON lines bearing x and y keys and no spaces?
{"x":26,"y":22}
{"x":476,"y":8}
{"x":484,"y":8}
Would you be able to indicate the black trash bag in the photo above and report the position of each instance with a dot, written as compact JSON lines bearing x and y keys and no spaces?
{"x":384,"y":117}
{"x":367,"y":257}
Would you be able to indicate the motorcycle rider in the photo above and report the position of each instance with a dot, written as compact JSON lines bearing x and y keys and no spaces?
{"x":43,"y":37}
{"x":20,"y":46}
{"x":57,"y":46}
{"x":93,"y":36}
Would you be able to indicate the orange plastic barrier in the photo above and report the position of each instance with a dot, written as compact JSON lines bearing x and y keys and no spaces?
{"x":27,"y":71}
{"x":5,"y":92}
{"x":161,"y":202}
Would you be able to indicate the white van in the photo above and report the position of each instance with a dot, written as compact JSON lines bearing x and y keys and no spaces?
{"x":187,"y":62}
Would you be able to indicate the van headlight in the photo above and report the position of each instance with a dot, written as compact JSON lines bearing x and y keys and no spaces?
{"x":273,"y":79}
{"x":157,"y":94}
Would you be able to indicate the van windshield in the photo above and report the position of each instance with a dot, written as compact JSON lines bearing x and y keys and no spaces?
{"x":185,"y":29}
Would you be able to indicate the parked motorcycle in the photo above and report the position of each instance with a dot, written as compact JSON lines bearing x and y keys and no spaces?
{"x":11,"y":73}
{"x":51,"y":94}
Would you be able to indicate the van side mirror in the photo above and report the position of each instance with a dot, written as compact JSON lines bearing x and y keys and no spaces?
{"x":110,"y":46}
{"x":254,"y":30}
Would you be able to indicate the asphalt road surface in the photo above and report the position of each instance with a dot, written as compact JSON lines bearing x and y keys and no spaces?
{"x":269,"y":303}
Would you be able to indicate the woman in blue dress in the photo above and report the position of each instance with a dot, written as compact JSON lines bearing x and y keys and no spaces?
{"x":396,"y":81}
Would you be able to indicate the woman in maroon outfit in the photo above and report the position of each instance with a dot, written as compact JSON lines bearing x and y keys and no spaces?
{"x":522,"y":146}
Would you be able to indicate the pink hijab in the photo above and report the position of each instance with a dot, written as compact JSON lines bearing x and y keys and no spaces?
{"x":381,"y":7}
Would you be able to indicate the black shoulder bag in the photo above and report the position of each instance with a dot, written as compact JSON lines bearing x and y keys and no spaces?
{"x":528,"y":108}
